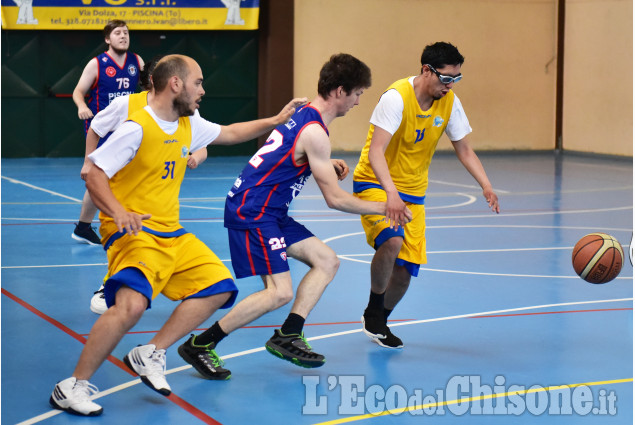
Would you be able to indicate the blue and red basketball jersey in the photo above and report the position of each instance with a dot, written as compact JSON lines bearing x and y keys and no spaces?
{"x":269,"y":182}
{"x":113,"y":81}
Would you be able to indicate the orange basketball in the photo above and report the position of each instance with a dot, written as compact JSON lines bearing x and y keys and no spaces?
{"x":597,"y":258}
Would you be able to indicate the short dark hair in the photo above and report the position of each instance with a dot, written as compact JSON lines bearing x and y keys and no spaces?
{"x":343,"y":70}
{"x":441,"y":54}
{"x":148,"y":69}
{"x":168,"y":67}
{"x":111,"y":25}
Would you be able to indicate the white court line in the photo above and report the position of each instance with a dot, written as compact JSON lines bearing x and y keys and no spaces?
{"x":461,"y":251}
{"x":39,"y":219}
{"x":215,"y":199}
{"x":467,"y":186}
{"x":203,"y":208}
{"x":355,"y":260}
{"x":39,"y":203}
{"x":211,"y":178}
{"x":40,"y":188}
{"x":128,"y":384}
{"x":54,"y":266}
{"x":470,"y":200}
{"x":513,"y":275}
{"x":530,"y":226}
{"x":483,"y":313}
{"x":356,"y":218}
{"x":69,"y":265}
{"x":347,"y":256}
{"x":535,"y":213}
{"x":486,"y":215}
{"x":522,"y":226}
{"x":569,"y":191}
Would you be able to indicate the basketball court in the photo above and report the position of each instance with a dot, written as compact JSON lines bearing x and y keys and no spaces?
{"x":497,"y":328}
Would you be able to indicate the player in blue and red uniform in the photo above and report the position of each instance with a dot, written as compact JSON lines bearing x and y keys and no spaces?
{"x":267,"y":185}
{"x":112,"y":74}
{"x":113,"y":80}
{"x":261,"y":233}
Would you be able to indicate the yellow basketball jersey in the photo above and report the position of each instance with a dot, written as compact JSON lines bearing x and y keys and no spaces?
{"x":411,"y":147}
{"x":137,"y":101}
{"x":151,"y":181}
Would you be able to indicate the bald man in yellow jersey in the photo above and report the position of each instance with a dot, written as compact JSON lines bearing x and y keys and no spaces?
{"x":406,"y":125}
{"x":101,"y":126}
{"x":135,"y":182}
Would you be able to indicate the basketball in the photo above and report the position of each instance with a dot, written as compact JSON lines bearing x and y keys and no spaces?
{"x":597,"y":258}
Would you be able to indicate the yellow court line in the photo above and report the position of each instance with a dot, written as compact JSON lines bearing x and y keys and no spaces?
{"x":469,"y":399}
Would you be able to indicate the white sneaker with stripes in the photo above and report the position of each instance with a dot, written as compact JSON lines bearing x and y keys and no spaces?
{"x":73,"y":396}
{"x":149,"y":363}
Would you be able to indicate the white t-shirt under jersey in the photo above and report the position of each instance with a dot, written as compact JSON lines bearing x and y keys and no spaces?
{"x":389,"y":110}
{"x":123,"y":144}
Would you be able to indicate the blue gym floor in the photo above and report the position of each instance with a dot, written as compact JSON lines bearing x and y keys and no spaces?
{"x":495,"y":321}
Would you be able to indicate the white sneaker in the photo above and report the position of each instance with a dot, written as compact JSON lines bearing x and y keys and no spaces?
{"x":149,"y":364}
{"x":98,"y":302}
{"x":73,"y":396}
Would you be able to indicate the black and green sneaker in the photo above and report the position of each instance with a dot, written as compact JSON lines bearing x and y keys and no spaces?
{"x":295,"y":349}
{"x":204,"y":359}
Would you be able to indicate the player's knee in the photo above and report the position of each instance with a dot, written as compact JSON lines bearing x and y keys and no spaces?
{"x":393,"y":245}
{"x":131,"y":309}
{"x":282,"y":297}
{"x":402,"y":284}
{"x":329,"y":262}
{"x":334,"y":264}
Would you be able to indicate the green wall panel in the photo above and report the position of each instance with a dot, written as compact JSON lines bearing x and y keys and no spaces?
{"x":40,"y":70}
{"x":18,"y":117}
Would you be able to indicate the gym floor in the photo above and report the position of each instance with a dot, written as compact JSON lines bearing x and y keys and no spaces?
{"x":497,"y":328}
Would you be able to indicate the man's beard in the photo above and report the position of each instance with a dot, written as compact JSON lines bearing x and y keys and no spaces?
{"x":182,"y":107}
{"x":119,"y":51}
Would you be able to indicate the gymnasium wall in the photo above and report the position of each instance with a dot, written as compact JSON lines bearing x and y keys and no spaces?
{"x":598,"y":75}
{"x":509,"y":83}
{"x":41,"y":68}
{"x":508,"y":90}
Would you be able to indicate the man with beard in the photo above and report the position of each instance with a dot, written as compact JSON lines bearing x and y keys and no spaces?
{"x":111,"y":74}
{"x":104,"y":123}
{"x":135,"y":182}
{"x":406,"y":125}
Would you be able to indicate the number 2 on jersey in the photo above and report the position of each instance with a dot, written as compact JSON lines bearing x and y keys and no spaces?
{"x":276,"y":142}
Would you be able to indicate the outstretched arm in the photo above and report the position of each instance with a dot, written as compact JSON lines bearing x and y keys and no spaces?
{"x":315,"y":143}
{"x":473,"y":165}
{"x":244,"y":131}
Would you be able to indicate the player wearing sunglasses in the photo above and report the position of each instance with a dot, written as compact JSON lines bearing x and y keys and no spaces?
{"x":405,"y":128}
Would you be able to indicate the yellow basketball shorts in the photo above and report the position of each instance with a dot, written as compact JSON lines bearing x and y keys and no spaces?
{"x":377,"y":230}
{"x":177,"y":267}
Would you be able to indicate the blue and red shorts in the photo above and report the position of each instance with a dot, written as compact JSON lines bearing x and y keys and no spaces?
{"x":262,"y":250}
